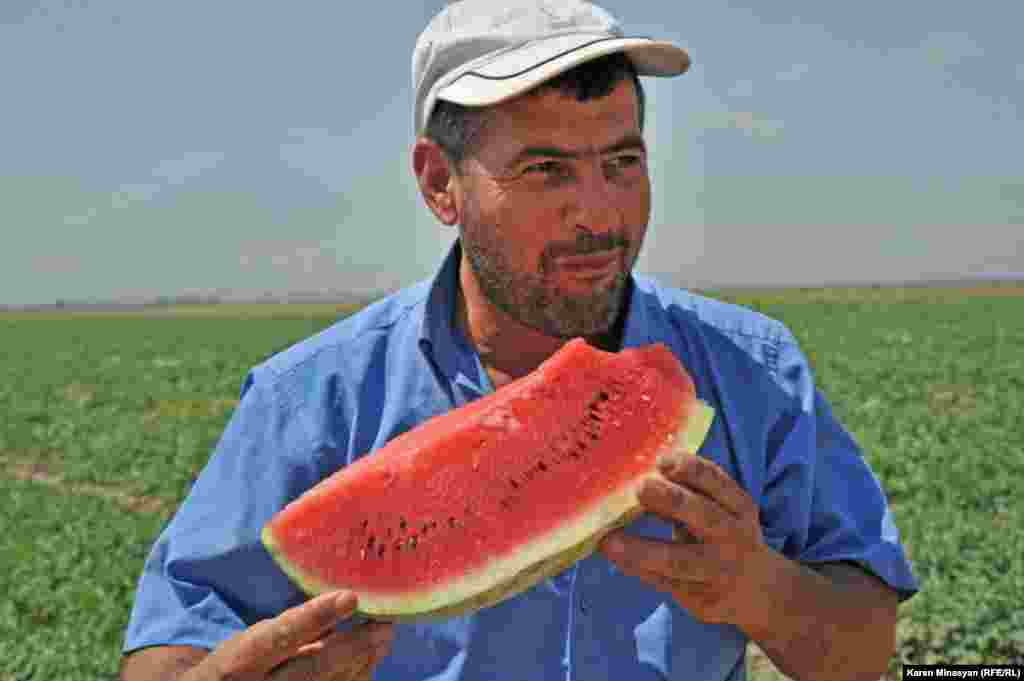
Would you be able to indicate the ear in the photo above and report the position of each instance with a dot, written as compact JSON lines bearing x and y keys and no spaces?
{"x":437,"y":181}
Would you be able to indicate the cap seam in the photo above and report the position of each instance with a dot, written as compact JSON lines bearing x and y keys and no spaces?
{"x":540,"y":63}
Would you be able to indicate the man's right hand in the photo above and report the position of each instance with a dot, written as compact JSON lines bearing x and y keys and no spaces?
{"x":297,"y":645}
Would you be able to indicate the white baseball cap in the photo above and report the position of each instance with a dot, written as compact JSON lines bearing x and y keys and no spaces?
{"x":482,"y":52}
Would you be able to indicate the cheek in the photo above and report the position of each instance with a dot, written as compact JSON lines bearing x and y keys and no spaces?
{"x":529,"y":223}
{"x":509,"y":228}
{"x":637,"y":204}
{"x":636,"y":213}
{"x":639,"y":196}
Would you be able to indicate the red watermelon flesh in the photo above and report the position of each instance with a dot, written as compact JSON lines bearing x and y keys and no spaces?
{"x":481,"y":503}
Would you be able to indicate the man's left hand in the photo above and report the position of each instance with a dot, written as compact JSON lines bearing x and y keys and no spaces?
{"x":717,"y":564}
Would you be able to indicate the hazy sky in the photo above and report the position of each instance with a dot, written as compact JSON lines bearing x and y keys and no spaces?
{"x":170,"y":147}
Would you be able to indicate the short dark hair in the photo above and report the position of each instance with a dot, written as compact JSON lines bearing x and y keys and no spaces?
{"x":457,"y":129}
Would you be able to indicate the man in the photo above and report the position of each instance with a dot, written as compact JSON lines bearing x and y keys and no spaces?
{"x":529,"y":122}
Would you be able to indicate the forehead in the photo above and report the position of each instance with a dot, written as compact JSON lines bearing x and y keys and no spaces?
{"x":550,"y":118}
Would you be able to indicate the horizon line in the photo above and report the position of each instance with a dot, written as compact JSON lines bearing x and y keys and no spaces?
{"x":227,"y":297}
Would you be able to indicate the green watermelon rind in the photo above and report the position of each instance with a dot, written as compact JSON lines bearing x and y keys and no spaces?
{"x":562,"y":547}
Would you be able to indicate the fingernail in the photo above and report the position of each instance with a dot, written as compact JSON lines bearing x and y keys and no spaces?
{"x":345,"y":601}
{"x":666,"y":464}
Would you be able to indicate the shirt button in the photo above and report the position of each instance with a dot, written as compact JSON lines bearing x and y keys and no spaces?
{"x":583,"y":606}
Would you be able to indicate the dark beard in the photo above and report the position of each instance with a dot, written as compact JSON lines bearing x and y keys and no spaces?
{"x":524,"y":297}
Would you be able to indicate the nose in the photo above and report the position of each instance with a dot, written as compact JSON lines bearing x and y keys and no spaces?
{"x":594,"y":206}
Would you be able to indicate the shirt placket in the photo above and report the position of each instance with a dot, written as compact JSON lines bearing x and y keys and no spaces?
{"x":588,"y":660}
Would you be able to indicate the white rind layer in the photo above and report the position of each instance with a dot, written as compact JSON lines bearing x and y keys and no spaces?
{"x":538,"y":559}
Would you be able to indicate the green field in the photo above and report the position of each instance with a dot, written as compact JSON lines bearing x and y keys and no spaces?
{"x":107,"y":418}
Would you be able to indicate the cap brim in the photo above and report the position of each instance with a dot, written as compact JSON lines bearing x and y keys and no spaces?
{"x":514,"y":72}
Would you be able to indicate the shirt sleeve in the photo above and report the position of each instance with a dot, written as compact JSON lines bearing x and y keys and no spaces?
{"x":822,"y":502}
{"x":207,"y":575}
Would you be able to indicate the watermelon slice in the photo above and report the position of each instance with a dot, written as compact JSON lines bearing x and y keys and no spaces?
{"x":480,"y":504}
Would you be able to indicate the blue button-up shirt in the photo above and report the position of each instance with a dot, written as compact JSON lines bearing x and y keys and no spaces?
{"x":346,"y":391}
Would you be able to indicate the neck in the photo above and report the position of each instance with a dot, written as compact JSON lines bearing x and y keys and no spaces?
{"x":508,"y":349}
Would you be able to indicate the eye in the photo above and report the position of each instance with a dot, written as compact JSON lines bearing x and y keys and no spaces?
{"x":625,"y":160}
{"x":546,"y":168}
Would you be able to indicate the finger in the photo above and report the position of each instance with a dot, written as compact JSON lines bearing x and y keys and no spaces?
{"x":657,"y":581}
{"x":709,"y":479}
{"x":364,"y":673}
{"x":697,"y":597}
{"x":341,"y":655}
{"x":704,"y":517}
{"x":268,"y":643}
{"x":672,"y":561}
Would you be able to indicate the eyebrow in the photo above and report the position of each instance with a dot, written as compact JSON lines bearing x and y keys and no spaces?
{"x":630,"y":141}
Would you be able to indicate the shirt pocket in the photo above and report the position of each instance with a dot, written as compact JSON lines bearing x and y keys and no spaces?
{"x":674,"y":645}
{"x":669,"y":642}
{"x":435,"y":650}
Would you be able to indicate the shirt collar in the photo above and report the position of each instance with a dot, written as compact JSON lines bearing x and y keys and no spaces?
{"x":441,"y":341}
{"x":640,"y":324}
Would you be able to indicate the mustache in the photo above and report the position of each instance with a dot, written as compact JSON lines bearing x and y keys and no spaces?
{"x":586,"y":243}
